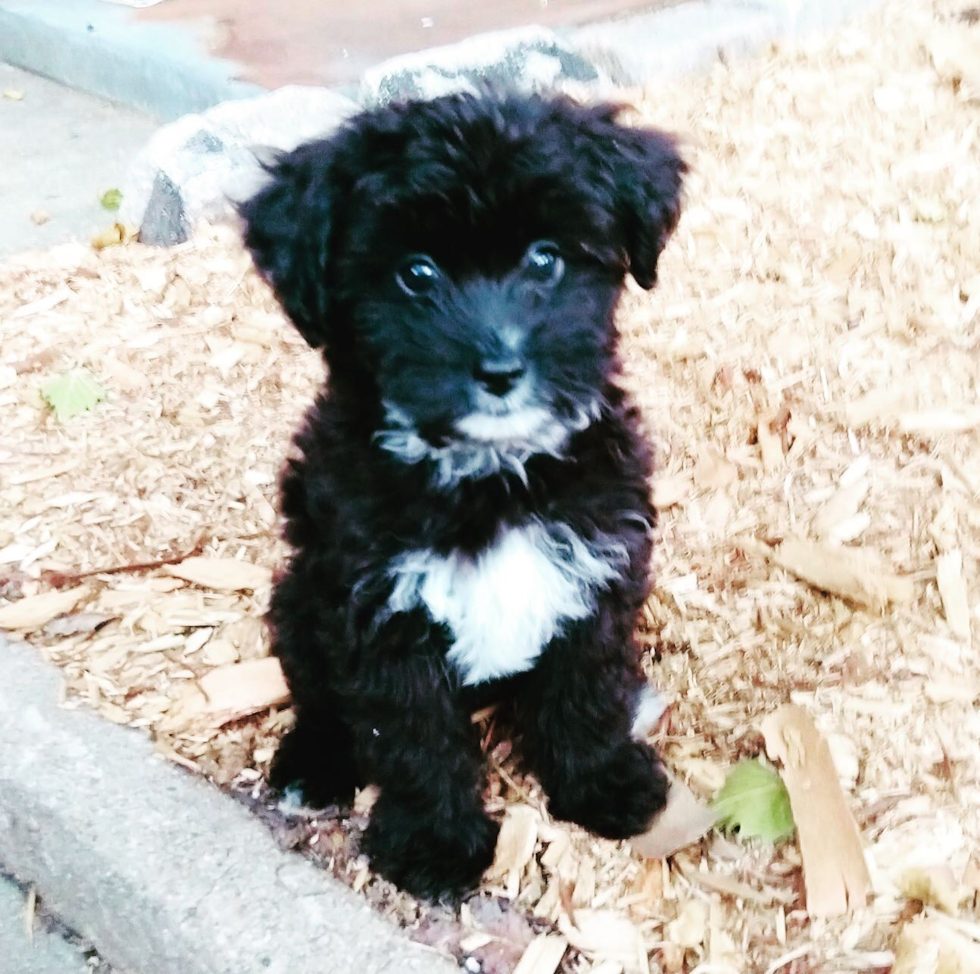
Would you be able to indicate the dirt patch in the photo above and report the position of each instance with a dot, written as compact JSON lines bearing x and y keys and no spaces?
{"x":810,"y":371}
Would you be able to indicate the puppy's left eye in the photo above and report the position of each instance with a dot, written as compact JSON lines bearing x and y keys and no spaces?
{"x":543,"y":264}
{"x":417,"y":276}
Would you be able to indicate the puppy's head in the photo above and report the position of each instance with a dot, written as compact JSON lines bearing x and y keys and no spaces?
{"x":460,"y":260}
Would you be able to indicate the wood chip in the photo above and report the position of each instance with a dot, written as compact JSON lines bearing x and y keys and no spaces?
{"x":543,"y":955}
{"x":729,"y":886}
{"x":120,"y":374}
{"x":770,"y":445}
{"x":952,"y":590}
{"x":940,"y":421}
{"x":928,"y":946}
{"x":607,"y":935}
{"x":221,"y":574}
{"x":834,"y":870}
{"x":230,"y":692}
{"x":34,"y":611}
{"x":857,"y":574}
{"x":515,"y":846}
{"x":684,"y":820}
{"x":933,"y":886}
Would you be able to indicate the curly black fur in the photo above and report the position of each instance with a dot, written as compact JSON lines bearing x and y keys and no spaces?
{"x":391,"y":482}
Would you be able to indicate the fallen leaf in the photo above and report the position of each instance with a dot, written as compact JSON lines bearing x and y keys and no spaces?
{"x":543,"y":955}
{"x":857,"y":574}
{"x":73,"y":393}
{"x":222,"y":574}
{"x":118,"y":233}
{"x":683,"y":821}
{"x":111,"y":199}
{"x":40,"y":217}
{"x":230,"y":692}
{"x":754,"y":800}
{"x":834,"y":870}
{"x":76,"y":624}
{"x":36,"y":610}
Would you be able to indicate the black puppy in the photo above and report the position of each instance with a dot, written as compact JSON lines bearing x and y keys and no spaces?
{"x":470,"y":507}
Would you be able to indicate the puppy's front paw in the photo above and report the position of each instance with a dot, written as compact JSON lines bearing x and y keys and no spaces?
{"x":620,"y":798}
{"x":432,"y":859}
{"x":312,"y":773}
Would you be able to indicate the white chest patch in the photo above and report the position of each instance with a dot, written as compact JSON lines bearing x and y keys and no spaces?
{"x":506,"y":604}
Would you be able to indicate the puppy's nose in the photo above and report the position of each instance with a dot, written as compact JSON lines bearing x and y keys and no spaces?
{"x":499,"y":375}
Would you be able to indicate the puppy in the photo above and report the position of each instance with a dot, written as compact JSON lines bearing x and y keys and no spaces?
{"x":469,"y":510}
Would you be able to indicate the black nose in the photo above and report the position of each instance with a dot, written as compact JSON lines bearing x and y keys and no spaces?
{"x":499,"y":376}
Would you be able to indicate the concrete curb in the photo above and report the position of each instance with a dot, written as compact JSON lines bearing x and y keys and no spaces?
{"x":157,"y":868}
{"x":165,"y":69}
{"x":98,"y":48}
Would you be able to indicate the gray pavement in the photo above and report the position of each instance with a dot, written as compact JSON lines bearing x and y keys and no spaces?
{"x":162,"y":871}
{"x":47,"y":950}
{"x":61,"y":151}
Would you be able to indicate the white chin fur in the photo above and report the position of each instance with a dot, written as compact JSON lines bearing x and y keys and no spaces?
{"x":489,"y":443}
{"x":520,"y":425}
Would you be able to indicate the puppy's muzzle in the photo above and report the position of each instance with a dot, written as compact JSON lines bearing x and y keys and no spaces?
{"x":499,"y":376}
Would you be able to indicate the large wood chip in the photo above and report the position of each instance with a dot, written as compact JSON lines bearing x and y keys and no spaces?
{"x":36,"y":610}
{"x":684,"y":820}
{"x":607,"y":935}
{"x":834,"y":870}
{"x":543,"y":955}
{"x":939,"y":421}
{"x":858,"y":574}
{"x":230,"y":692}
{"x":770,"y":445}
{"x":952,"y":590}
{"x":929,"y":946}
{"x":515,"y":846}
{"x":221,"y":574}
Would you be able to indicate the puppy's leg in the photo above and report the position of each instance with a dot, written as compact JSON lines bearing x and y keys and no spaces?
{"x":315,"y":760}
{"x":315,"y":763}
{"x":429,"y":833}
{"x":576,"y":711}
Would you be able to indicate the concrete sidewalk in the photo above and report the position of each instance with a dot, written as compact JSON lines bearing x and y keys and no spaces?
{"x":158,"y":868}
{"x":46,"y":949}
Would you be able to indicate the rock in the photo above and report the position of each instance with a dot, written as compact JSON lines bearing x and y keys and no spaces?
{"x":527,"y":59}
{"x":199,"y":166}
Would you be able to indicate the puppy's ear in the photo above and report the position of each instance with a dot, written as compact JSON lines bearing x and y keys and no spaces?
{"x":649,"y":182}
{"x":287,"y":230}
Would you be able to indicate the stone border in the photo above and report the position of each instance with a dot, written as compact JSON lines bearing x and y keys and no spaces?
{"x":156,"y":866}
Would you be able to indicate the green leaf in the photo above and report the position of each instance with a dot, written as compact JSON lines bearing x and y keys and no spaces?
{"x":754,"y":800}
{"x":111,"y":199}
{"x":73,"y":393}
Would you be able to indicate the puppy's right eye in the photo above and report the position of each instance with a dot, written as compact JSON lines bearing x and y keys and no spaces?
{"x":417,"y":276}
